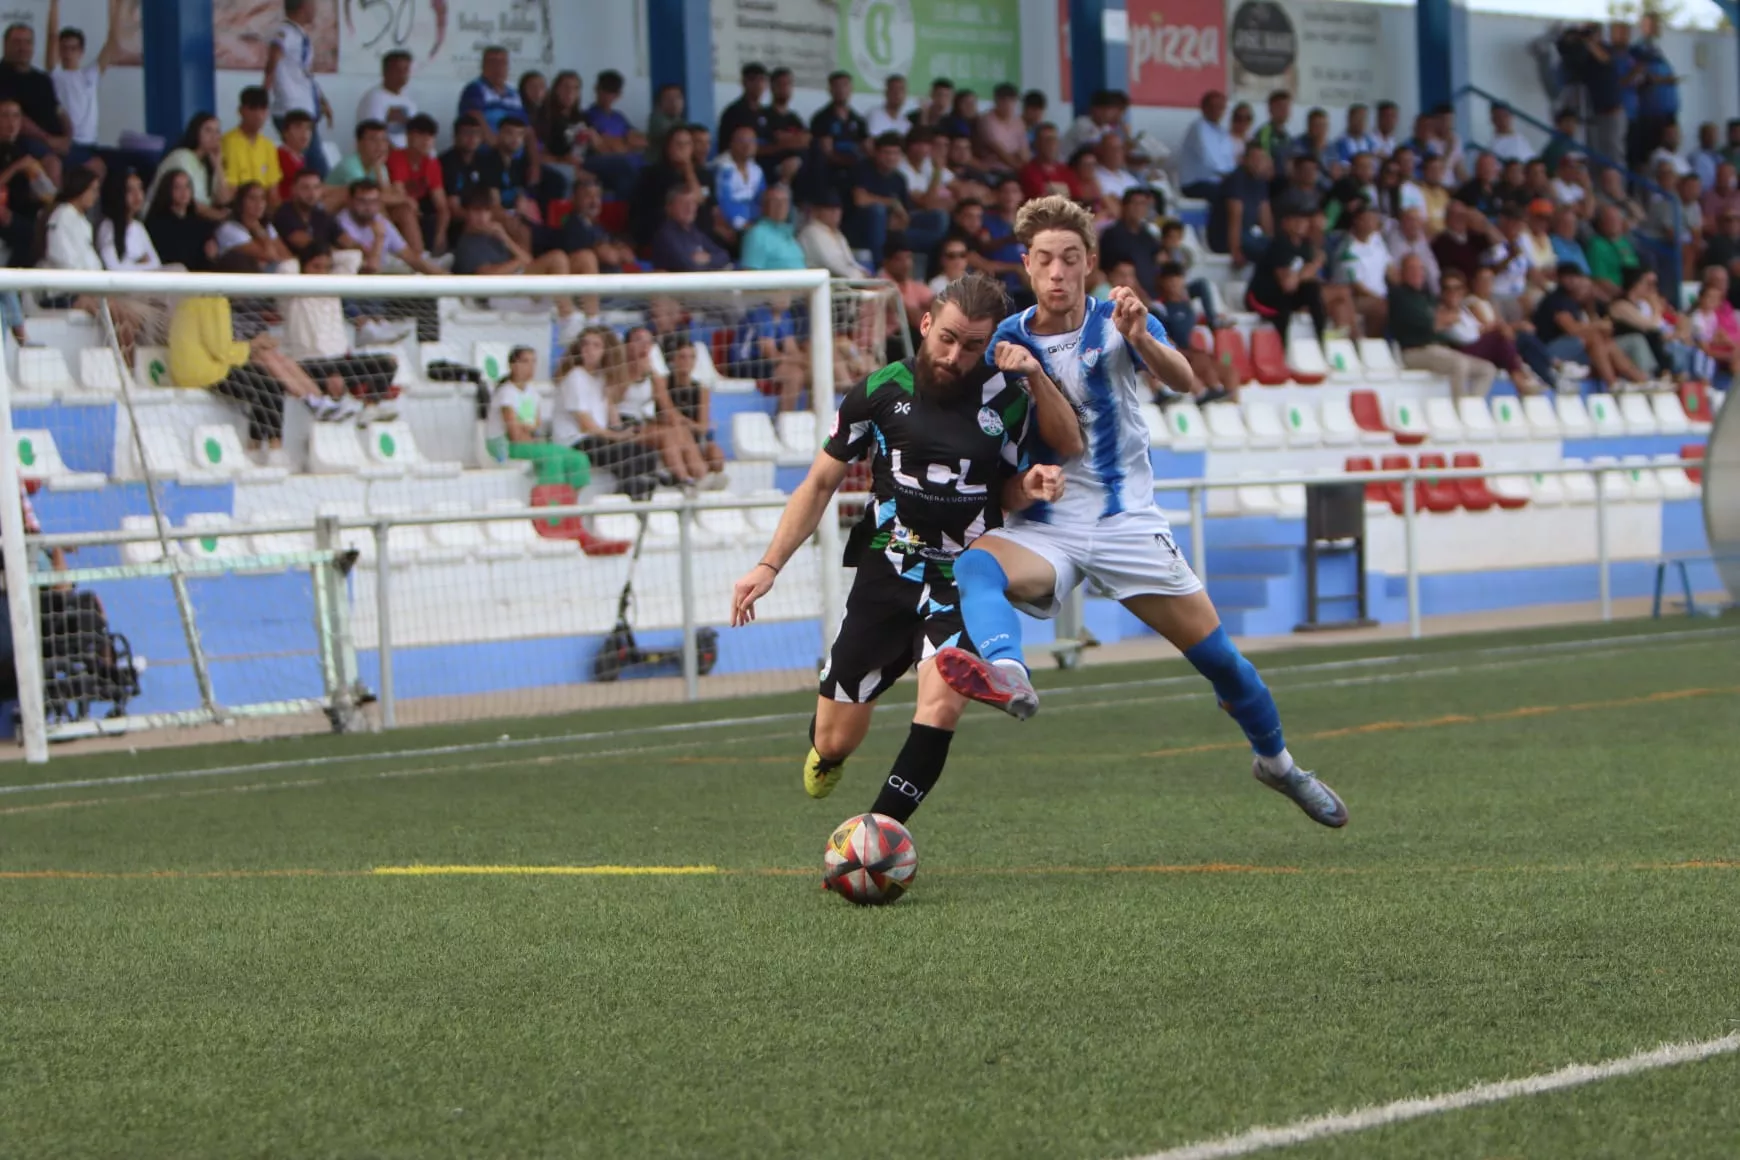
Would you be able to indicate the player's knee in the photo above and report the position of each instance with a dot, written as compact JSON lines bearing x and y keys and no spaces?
{"x":977,"y":572}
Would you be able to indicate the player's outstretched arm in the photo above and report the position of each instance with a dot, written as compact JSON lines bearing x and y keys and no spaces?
{"x":1041,"y":483}
{"x":803,"y":514}
{"x":1053,"y":417}
{"x":1168,"y":364}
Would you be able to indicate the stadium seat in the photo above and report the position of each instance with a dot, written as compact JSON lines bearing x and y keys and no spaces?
{"x":1550,"y":490}
{"x":723,"y":525}
{"x":1605,"y":420}
{"x":1646,"y":485}
{"x":412,"y":542}
{"x":1693,"y":451}
{"x":1226,"y":427}
{"x":1511,"y":489}
{"x":1159,"y":434}
{"x":1438,"y":495}
{"x":1375,"y":493}
{"x":393,"y":445}
{"x":1676,"y":483}
{"x":1579,"y":485}
{"x":1695,"y":401}
{"x":797,"y":437}
{"x":1263,"y":428}
{"x":1670,"y":413}
{"x":753,"y":436}
{"x":100,"y":371}
{"x":765,"y":519}
{"x":1339,"y":426}
{"x":1479,"y":495}
{"x":1202,"y":340}
{"x":280,"y":543}
{"x":216,"y":449}
{"x":1407,"y":419}
{"x":462,"y":535}
{"x":1184,"y":420}
{"x":664,"y":529}
{"x":1540,"y":416}
{"x":1305,"y":361}
{"x":333,"y":450}
{"x":151,"y":367}
{"x":1257,"y":498}
{"x":1577,"y":421}
{"x":1614,"y":485}
{"x":39,"y":461}
{"x":1510,"y":418}
{"x":209,"y":547}
{"x":1378,"y":360}
{"x":491,"y":358}
{"x":1230,"y":344}
{"x":1476,"y":419}
{"x":1368,"y":412}
{"x":141,"y":551}
{"x":1443,"y":419}
{"x":1301,"y":425}
{"x":1638,"y":415}
{"x":1343,"y":361}
{"x":1394,"y":490}
{"x":511,"y":538}
{"x":359,"y":539}
{"x":42,"y":371}
{"x":571,"y":528}
{"x":1268,"y":359}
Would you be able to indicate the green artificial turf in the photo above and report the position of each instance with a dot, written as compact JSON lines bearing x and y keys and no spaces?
{"x":1117,"y":941}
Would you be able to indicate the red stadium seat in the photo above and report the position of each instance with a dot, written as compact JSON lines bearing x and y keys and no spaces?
{"x":613,"y":217}
{"x":1695,"y":398}
{"x":1476,"y":495}
{"x":1393,"y":490}
{"x":1230,"y":344}
{"x":1438,"y":495}
{"x":571,"y":527}
{"x":1269,"y":357}
{"x":557,"y":212}
{"x":1202,"y":339}
{"x":1377,"y":492}
{"x":1367,"y":411}
{"x":1693,"y":451}
{"x":720,"y":349}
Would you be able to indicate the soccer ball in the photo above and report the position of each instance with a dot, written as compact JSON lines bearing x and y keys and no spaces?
{"x":870,"y":860}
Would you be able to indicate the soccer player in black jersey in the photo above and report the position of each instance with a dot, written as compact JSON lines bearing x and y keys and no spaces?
{"x":945,"y":437}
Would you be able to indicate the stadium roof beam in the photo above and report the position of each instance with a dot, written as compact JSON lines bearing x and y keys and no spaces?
{"x":1441,"y":37}
{"x":180,"y":64}
{"x":1090,"y":63}
{"x":680,"y":52}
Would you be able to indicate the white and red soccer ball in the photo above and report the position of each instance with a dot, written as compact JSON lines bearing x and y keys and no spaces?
{"x":869,"y":860}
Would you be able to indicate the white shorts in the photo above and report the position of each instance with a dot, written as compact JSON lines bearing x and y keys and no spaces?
{"x":1129,"y":554}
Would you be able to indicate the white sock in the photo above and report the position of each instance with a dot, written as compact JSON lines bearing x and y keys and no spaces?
{"x":1011,"y":662}
{"x":1280,"y":763}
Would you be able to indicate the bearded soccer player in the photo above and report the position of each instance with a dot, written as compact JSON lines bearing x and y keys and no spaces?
{"x":1106,"y":528}
{"x":945,"y":432}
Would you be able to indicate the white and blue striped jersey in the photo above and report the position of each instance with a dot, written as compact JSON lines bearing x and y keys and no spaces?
{"x":1098,"y":373}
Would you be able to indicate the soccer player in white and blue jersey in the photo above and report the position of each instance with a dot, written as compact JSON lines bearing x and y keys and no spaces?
{"x":1104,"y":526}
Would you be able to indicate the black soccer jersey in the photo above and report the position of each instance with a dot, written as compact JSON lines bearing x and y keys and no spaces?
{"x":938,"y":468}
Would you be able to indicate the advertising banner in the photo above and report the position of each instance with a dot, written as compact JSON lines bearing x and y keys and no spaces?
{"x":1323,"y":53}
{"x":974,"y":43}
{"x":1176,"y":51}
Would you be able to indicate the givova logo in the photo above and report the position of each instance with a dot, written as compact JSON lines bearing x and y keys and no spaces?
{"x":880,"y":37}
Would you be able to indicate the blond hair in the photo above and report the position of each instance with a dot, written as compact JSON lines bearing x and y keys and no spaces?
{"x":614,"y":365}
{"x":1054,"y":212}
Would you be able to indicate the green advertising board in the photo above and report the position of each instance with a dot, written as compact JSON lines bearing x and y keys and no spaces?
{"x":974,"y":43}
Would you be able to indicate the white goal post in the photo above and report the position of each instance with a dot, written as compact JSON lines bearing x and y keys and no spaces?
{"x":93,"y":291}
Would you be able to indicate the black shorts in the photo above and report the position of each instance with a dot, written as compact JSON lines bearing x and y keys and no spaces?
{"x":894,"y":619}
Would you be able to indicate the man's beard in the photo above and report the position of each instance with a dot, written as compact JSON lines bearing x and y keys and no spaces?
{"x":935,"y":384}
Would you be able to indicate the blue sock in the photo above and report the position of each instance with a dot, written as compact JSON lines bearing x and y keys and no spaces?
{"x":1241,"y":691}
{"x":992,"y":622}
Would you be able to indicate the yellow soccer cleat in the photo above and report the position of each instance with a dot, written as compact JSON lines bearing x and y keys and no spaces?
{"x":821,"y":774}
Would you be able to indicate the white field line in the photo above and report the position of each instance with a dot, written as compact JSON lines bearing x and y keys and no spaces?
{"x":1604,"y":646}
{"x":1342,"y":1123}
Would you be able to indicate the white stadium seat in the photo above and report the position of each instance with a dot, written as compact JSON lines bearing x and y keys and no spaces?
{"x":1379,"y":360}
{"x":1263,"y":427}
{"x":1339,"y":428}
{"x":408,"y":542}
{"x":333,"y":450}
{"x":1580,"y":420}
{"x":42,"y":371}
{"x":491,"y":358}
{"x":216,"y":449}
{"x":39,"y":459}
{"x":1550,"y":490}
{"x":1189,"y":432}
{"x":393,"y":445}
{"x":765,"y":519}
{"x":753,"y":436}
{"x":100,"y":370}
{"x":1511,"y":486}
{"x":1344,"y":362}
{"x":1406,"y":417}
{"x":1542,"y":416}
{"x":1646,"y":485}
{"x":519,"y":537}
{"x":1476,"y":419}
{"x":1159,"y":434}
{"x":1305,"y":358}
{"x":1303,"y":429}
{"x":210,"y":547}
{"x":1511,"y":418}
{"x":1257,"y":499}
{"x":797,"y":437}
{"x":463,"y":536}
{"x":1675,"y":483}
{"x":620,"y":523}
{"x":142,"y":551}
{"x":722,"y":525}
{"x":1579,"y":485}
{"x":1616,"y":485}
{"x":1637,"y":415}
{"x":1670,"y":413}
{"x":1443,"y":419}
{"x":1226,"y":427}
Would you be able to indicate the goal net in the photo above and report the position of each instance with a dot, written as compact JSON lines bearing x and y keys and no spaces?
{"x":250,"y":504}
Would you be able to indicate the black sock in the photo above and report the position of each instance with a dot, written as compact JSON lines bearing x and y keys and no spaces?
{"x":916,"y":769}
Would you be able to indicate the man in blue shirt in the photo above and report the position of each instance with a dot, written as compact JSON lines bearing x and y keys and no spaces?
{"x":1240,"y":222}
{"x":1658,"y":92}
{"x":880,"y":202}
{"x":1209,"y":152}
{"x":490,"y":95}
{"x":678,"y":245}
{"x":1358,"y":139}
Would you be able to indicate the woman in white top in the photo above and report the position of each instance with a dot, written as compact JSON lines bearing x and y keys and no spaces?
{"x":199,"y":155}
{"x":69,"y":243}
{"x":122,"y":240}
{"x":512,"y":429}
{"x":648,"y":402}
{"x":250,"y":233}
{"x":591,"y":379}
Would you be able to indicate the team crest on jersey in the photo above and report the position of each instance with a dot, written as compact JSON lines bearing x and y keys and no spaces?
{"x":990,"y":422}
{"x":1090,"y":358}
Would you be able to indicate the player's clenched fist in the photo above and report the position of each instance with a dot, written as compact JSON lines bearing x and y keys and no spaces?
{"x":1128,"y":313}
{"x":755,"y":584}
{"x":1042,"y":483}
{"x":1014,"y":359}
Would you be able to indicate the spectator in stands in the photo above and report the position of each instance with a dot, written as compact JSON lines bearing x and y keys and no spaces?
{"x":771,"y":243}
{"x":691,"y":405}
{"x":416,"y":171}
{"x":998,"y":246}
{"x":181,"y":236}
{"x":1565,"y":322}
{"x":890,"y":116}
{"x":748,"y":109}
{"x":1301,"y":189}
{"x":370,"y":162}
{"x":298,"y":131}
{"x":1128,"y":239}
{"x":388,"y":102}
{"x":1356,"y":139}
{"x":927,"y":178}
{"x":205,"y":355}
{"x":1274,"y":136}
{"x":1288,"y":275}
{"x":590,"y":248}
{"x":1316,"y":145}
{"x":289,"y":77}
{"x":1106,"y":109}
{"x":1353,"y":191}
{"x":249,"y":233}
{"x":1417,"y":321}
{"x":26,"y":187}
{"x":1488,"y":339}
{"x":1215,"y":378}
{"x":766,"y":347}
{"x":941,"y":103}
{"x":1046,"y":173}
{"x":1567,"y":239}
{"x":681,"y":247}
{"x":788,"y":136}
{"x":1644,"y":330}
{"x":1657,"y":88}
{"x":1719,"y":199}
{"x":1434,"y":193}
{"x":1033,"y":105}
{"x":1667,"y":150}
{"x":122,"y":240}
{"x":1208,"y":153}
{"x":1610,"y":253}
{"x":1407,"y":235}
{"x":1516,"y":282}
{"x":76,"y":83}
{"x":1507,"y":143}
{"x":533,"y":88}
{"x":1604,"y":69}
{"x":490,"y":96}
{"x":915,"y":296}
{"x":879,"y":202}
{"x":669,"y":323}
{"x":1481,"y":191}
{"x":1240,"y":219}
{"x":468,"y":164}
{"x":485,"y":246}
{"x":1715,"y":328}
{"x":560,"y":128}
{"x":315,"y":335}
{"x":951,"y":263}
{"x":524,"y":185}
{"x":740,"y":182}
{"x":514,"y":427}
{"x":44,"y":131}
{"x":1460,"y":247}
{"x":1722,"y":252}
{"x":647,"y":403}
{"x":69,"y":242}
{"x":1687,"y":197}
{"x":1000,"y":138}
{"x":1707,"y":156}
{"x":591,"y":380}
{"x":678,"y":168}
{"x":1111,"y":170}
{"x":1177,"y":247}
{"x":837,"y":132}
{"x":1611,"y":191}
{"x":199,"y":155}
{"x":248,"y":156}
{"x":669,"y":105}
{"x":363,"y":224}
{"x":302,"y":221}
{"x":823,"y":244}
{"x":611,"y":133}
{"x":963,"y":117}
{"x":1365,"y":264}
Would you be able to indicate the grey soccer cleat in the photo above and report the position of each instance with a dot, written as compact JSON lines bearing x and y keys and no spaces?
{"x":1004,"y":687}
{"x":1318,"y":801}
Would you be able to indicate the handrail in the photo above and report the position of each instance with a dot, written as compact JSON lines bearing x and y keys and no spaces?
{"x":1553,"y":134}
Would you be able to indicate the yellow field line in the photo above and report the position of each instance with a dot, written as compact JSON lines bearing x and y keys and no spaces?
{"x":553,"y":871}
